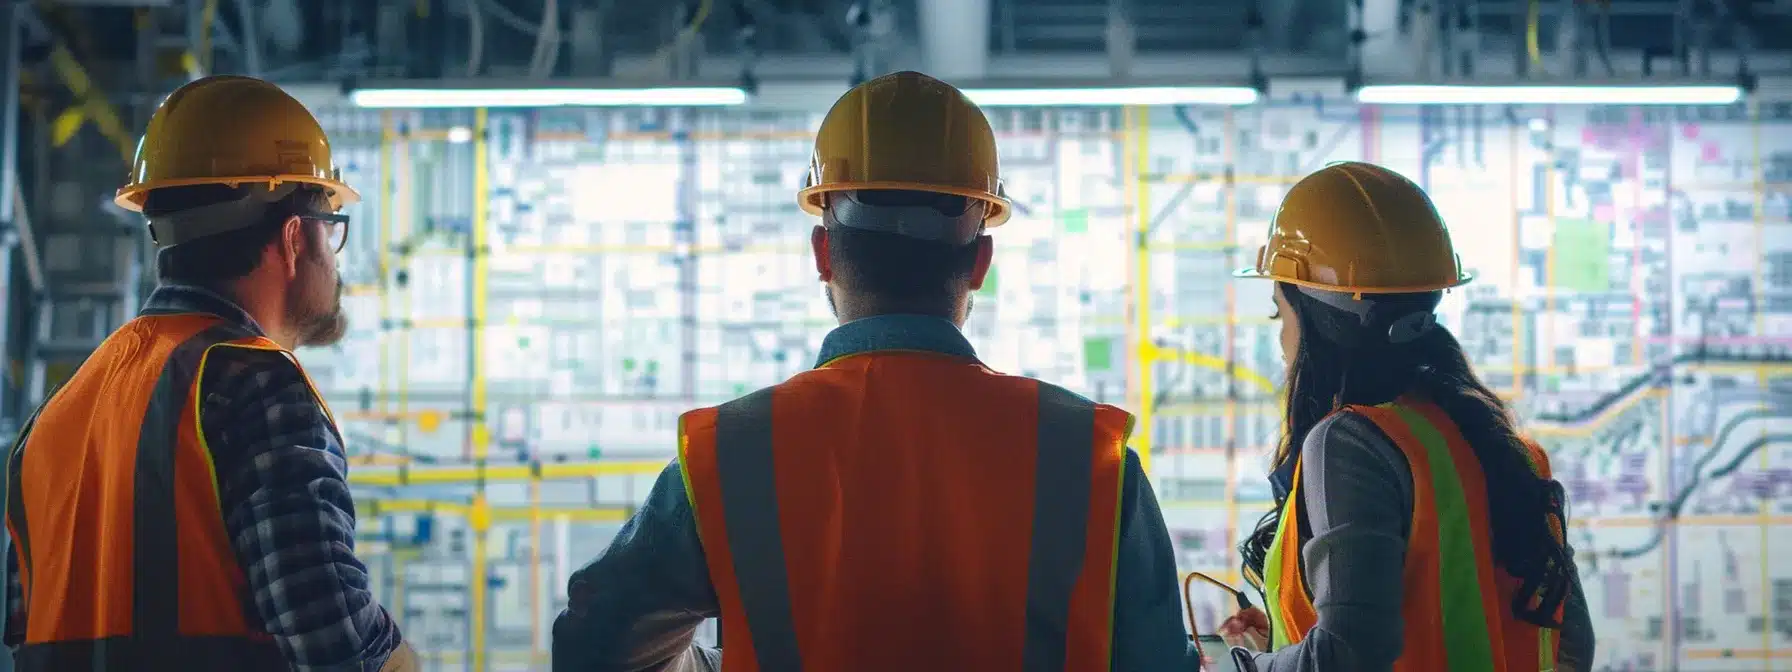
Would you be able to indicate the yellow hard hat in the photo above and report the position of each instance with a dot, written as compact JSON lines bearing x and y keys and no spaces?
{"x":1359,"y":228}
{"x":234,"y":131}
{"x":908,"y":131}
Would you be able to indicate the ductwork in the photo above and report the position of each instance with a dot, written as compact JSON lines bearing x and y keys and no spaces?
{"x":954,"y":37}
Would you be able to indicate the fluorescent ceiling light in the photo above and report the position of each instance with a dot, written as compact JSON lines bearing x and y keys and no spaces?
{"x":550,"y":97}
{"x":1105,"y":96}
{"x":1552,"y":94}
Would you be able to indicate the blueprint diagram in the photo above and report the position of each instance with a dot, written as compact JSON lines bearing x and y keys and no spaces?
{"x":1633,"y":304}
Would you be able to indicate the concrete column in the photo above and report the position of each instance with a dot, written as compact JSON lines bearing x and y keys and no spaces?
{"x":1122,"y":42}
{"x":588,"y":58}
{"x":954,"y":38}
{"x":1386,"y":50}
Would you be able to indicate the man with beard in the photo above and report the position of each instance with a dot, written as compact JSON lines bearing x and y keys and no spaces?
{"x":181,"y":503}
{"x":901,"y":506}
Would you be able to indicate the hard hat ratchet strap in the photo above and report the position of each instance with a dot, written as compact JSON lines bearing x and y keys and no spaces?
{"x":922,"y":222}
{"x":178,"y":227}
{"x":1406,"y":328}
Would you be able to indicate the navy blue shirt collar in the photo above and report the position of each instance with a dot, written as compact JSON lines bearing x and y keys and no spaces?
{"x":922,"y":333}
{"x":173,"y":299}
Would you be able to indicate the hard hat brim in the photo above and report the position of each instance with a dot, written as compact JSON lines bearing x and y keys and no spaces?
{"x":811,"y":199}
{"x":1251,"y":273}
{"x":131,"y":197}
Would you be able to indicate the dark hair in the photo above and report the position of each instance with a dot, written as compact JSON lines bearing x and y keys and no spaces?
{"x":214,"y":261}
{"x":900,"y":274}
{"x":1341,"y":361}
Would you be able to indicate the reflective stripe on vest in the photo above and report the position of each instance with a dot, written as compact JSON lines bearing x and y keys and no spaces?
{"x":1457,"y":605}
{"x":180,"y":600}
{"x":1061,"y":616}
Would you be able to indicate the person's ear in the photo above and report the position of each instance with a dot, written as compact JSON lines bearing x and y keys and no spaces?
{"x":818,"y":245}
{"x":292,"y":245}
{"x":986,"y":252}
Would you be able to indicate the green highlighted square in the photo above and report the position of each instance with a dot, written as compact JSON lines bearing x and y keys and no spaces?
{"x":1075,"y":221}
{"x":1098,"y":354}
{"x":1583,"y":256}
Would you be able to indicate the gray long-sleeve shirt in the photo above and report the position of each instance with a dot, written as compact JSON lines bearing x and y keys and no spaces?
{"x":637,"y":606}
{"x":1355,"y":557}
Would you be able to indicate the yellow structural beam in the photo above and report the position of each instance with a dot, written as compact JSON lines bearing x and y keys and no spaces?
{"x":534,"y":566}
{"x":93,"y":103}
{"x":208,"y":14}
{"x":479,"y":518}
{"x":479,"y":437}
{"x":67,"y":124}
{"x":1138,"y":127}
{"x":479,"y":522}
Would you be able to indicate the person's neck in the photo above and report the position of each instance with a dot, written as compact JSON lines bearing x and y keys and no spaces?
{"x":267,"y":315}
{"x":846,"y":316}
{"x":275,"y":327}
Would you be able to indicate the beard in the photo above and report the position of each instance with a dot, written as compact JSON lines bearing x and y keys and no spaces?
{"x":314,"y":308}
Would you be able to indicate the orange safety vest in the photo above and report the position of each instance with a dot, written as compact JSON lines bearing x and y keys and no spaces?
{"x":113,"y":504}
{"x":1457,"y":606}
{"x":901,"y":510}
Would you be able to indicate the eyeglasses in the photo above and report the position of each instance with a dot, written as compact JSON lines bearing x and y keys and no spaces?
{"x":335,"y":229}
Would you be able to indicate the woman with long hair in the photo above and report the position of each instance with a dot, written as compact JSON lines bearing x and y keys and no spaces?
{"x":1415,"y":529}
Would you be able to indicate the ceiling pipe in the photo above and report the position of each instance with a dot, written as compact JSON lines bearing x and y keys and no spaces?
{"x":283,"y":24}
{"x":1571,"y":37}
{"x":245,"y":11}
{"x":1742,"y":32}
{"x":1466,"y":32}
{"x":954,"y":37}
{"x":1385,"y":49}
{"x":1446,"y":37}
{"x":1423,"y":42}
{"x":1682,"y":38}
{"x":1122,"y":43}
{"x":1083,"y":66}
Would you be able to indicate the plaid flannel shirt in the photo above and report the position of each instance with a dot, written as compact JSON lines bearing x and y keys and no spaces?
{"x":283,"y":487}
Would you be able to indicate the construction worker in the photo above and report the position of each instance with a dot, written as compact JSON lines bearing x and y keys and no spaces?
{"x":1415,"y":529}
{"x":181,"y":503}
{"x":901,"y":506}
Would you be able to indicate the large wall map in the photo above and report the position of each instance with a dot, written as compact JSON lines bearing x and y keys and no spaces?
{"x":1634,"y":304}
